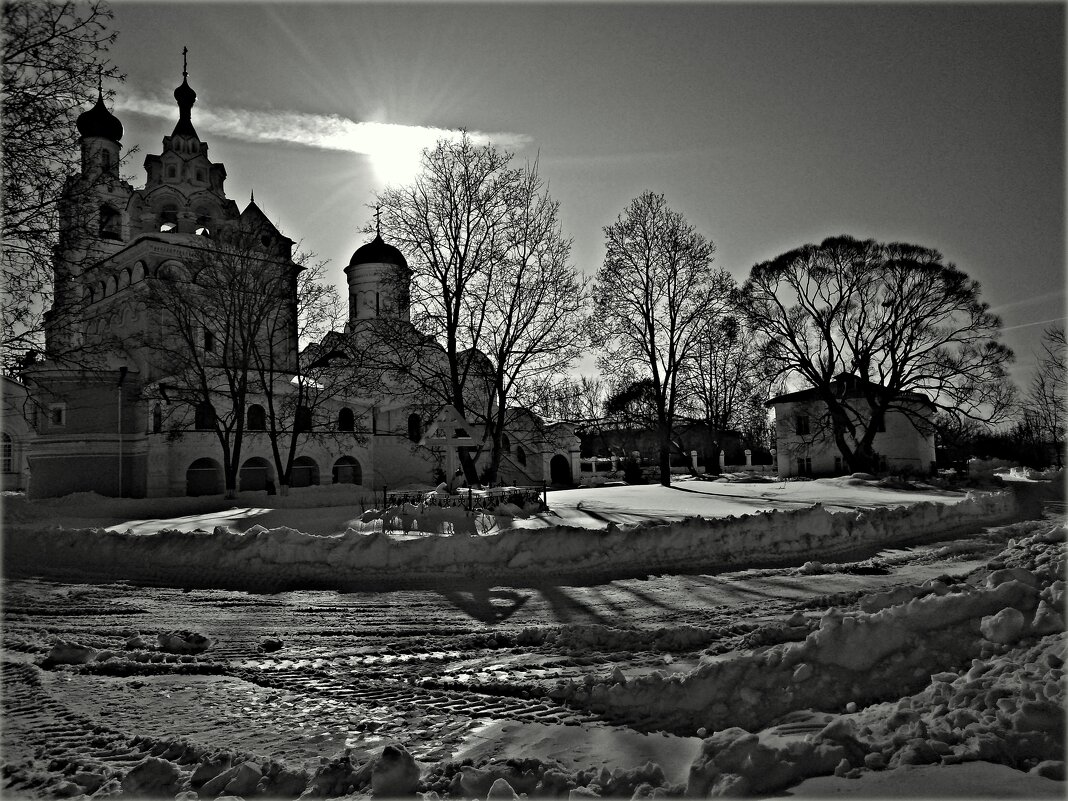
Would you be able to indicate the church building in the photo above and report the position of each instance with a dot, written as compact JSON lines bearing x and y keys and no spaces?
{"x":141,"y":392}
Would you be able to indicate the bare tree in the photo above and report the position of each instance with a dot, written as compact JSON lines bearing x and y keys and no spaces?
{"x":727,"y":384}
{"x":304,"y":398}
{"x":576,"y":400}
{"x":654,"y":294}
{"x":54,"y":57}
{"x":492,"y":286}
{"x":1048,"y":396}
{"x":894,"y":316}
{"x":226,"y":306}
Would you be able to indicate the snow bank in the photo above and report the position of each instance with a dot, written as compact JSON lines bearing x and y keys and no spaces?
{"x":859,"y":657}
{"x":282,"y":558}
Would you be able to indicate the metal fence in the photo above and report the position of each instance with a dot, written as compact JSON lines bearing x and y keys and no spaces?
{"x":469,"y":499}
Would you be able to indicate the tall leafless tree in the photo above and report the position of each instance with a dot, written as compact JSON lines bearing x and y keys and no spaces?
{"x":654,"y":295}
{"x":1048,"y":393}
{"x":225,"y":307}
{"x":54,"y":58}
{"x":727,"y":385}
{"x":491,"y":281}
{"x":302,"y":397}
{"x":893,"y":315}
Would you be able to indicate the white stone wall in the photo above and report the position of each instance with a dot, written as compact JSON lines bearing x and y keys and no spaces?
{"x":902,"y":444}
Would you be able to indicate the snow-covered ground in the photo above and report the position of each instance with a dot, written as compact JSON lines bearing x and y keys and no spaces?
{"x":332,"y":509}
{"x":931,"y":667}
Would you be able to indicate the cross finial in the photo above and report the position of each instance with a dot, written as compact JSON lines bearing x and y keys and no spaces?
{"x":252,"y":196}
{"x":100,"y":79}
{"x":378,"y":220}
{"x":185,"y":64}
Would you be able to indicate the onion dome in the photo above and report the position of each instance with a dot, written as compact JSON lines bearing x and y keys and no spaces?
{"x":378,"y":252}
{"x":185,"y":97}
{"x":98,"y":121}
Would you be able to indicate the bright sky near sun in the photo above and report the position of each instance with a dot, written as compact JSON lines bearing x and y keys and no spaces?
{"x":767,"y":126}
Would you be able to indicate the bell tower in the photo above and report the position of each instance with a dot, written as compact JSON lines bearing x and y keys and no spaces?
{"x":378,"y":279}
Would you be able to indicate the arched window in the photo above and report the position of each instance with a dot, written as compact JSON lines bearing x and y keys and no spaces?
{"x":168,"y":217}
{"x":7,"y":454}
{"x":124,"y":279}
{"x":505,"y":442}
{"x":256,"y":475}
{"x":256,"y":419}
{"x":204,"y":477}
{"x":109,"y":286}
{"x":303,"y":421}
{"x":105,"y":160}
{"x":209,"y":341}
{"x":304,"y":472}
{"x":157,"y":419}
{"x":520,"y":454}
{"x":138,"y":272}
{"x":346,"y":420}
{"x":415,"y":427}
{"x":110,"y":222}
{"x":205,"y":417}
{"x":347,"y":471}
{"x":203,"y":227}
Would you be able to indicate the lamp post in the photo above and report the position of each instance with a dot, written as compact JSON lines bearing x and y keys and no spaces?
{"x":122,"y":378}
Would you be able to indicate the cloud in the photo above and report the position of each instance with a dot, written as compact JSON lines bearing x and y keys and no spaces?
{"x":394,"y":149}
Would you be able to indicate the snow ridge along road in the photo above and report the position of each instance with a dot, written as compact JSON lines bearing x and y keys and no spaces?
{"x":272,"y":560}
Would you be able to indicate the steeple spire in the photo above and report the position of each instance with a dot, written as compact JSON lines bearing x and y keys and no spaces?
{"x":378,"y":220}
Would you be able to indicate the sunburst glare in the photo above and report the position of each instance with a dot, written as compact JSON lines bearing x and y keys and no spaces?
{"x":393,"y":149}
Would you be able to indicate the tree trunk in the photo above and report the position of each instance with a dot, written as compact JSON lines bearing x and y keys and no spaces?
{"x":665,"y":455}
{"x":494,"y":464}
{"x":231,"y":481}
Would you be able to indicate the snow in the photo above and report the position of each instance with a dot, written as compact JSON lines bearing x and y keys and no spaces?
{"x":659,"y":535}
{"x":914,"y":690}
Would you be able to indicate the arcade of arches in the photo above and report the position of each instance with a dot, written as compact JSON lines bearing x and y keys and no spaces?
{"x":205,"y":476}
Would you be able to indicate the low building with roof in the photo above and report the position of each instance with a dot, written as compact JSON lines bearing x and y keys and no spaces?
{"x":804,"y":439}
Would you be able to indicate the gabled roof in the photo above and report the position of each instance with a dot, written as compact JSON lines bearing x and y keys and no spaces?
{"x":253,"y":218}
{"x":845,"y":385}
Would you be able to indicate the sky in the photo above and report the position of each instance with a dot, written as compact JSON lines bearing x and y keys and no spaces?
{"x":767,"y":126}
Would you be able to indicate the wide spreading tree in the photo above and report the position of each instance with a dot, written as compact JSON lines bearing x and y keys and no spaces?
{"x":897,"y":317}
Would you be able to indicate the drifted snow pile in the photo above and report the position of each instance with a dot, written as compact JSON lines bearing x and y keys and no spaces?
{"x":283,"y":558}
{"x":176,"y":769}
{"x":1007,"y":709}
{"x":986,"y":661}
{"x":504,"y":779}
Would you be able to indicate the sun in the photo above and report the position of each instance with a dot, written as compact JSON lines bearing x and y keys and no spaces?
{"x":395,"y":151}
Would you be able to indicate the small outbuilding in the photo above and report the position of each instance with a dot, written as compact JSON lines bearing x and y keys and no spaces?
{"x":804,"y":439}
